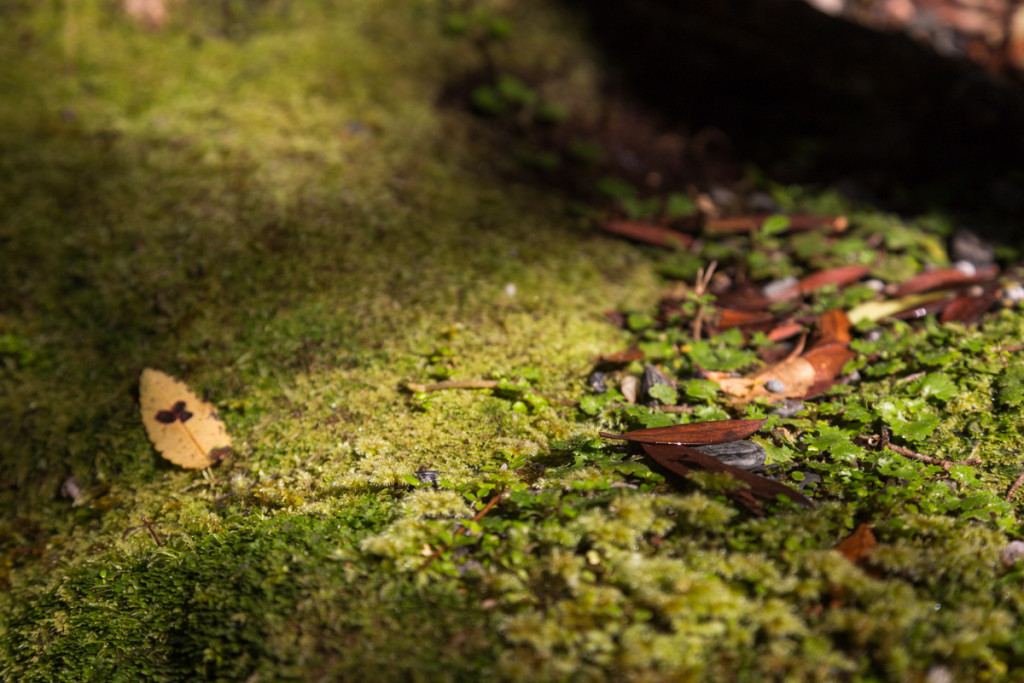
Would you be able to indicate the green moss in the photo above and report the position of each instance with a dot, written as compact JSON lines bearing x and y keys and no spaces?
{"x":268,"y":202}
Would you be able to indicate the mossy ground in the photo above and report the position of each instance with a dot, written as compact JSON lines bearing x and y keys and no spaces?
{"x":266,"y":200}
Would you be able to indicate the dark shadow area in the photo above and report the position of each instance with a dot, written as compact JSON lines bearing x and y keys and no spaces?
{"x":811,"y":98}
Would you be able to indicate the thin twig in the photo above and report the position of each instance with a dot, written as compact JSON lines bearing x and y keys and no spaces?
{"x":1016,"y":485}
{"x":453,"y":384}
{"x":463,"y":529}
{"x":881,"y":442}
{"x":699,"y":288}
{"x":149,"y":525}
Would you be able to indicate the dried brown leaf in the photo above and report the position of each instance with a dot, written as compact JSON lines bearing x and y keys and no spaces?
{"x":968,"y":309}
{"x":857,"y":547}
{"x":833,"y":326}
{"x":672,"y":455}
{"x":698,"y":433}
{"x":648,"y":233}
{"x":944,"y":278}
{"x":840,"y":276}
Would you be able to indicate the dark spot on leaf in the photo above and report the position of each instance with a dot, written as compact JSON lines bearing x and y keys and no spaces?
{"x":165,"y":417}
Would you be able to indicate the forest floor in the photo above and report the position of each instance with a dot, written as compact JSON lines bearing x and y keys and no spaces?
{"x":384,"y":240}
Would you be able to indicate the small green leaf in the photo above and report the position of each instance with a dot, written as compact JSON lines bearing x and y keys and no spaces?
{"x":915,"y":430}
{"x":700,"y":389}
{"x":664,"y":393}
{"x":775,"y":224}
{"x":936,"y":385}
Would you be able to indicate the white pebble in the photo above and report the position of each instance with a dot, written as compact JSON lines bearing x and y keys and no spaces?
{"x":966,"y":267}
{"x":1013,"y":551}
{"x":630,"y":388}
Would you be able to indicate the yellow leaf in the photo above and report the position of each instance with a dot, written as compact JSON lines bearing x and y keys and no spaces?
{"x":185,"y":429}
{"x":876,"y":310}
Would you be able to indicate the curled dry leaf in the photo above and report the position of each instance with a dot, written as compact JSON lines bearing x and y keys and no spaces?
{"x":648,"y":233}
{"x":679,"y":459}
{"x":800,"y":377}
{"x":699,"y":433}
{"x":185,"y":429}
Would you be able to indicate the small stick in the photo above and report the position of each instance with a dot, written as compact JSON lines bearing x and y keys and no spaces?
{"x":462,"y":529}
{"x":1016,"y":485}
{"x":883,"y":443}
{"x":454,"y":384}
{"x":699,"y":288}
{"x":149,"y":525}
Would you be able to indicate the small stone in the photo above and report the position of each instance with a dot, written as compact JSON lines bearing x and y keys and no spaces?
{"x":874,"y":284}
{"x":630,"y":388}
{"x":746,"y":455}
{"x":788,"y":408}
{"x":69,"y":489}
{"x":939,"y":674}
{"x":431,"y":477}
{"x":1013,"y":551}
{"x":810,"y":478}
{"x":967,"y":247}
{"x":777,"y":288}
{"x":774,"y":386}
{"x":873,"y":335}
{"x":966,"y":267}
{"x":762,"y":202}
{"x":598,"y":381}
{"x":1013,"y":295}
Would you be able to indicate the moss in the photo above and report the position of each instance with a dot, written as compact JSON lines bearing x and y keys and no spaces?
{"x":271,"y":204}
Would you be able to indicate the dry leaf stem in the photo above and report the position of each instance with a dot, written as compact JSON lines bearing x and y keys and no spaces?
{"x":1013,"y":488}
{"x":149,"y":525}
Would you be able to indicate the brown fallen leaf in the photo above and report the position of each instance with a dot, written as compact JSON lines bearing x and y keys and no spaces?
{"x":731,"y":317}
{"x":840,"y":276}
{"x":679,"y":458}
{"x":968,"y":309}
{"x":621,"y":357}
{"x":695,"y":434}
{"x":797,"y":223}
{"x":799,"y":377}
{"x":785,"y":331}
{"x":857,"y":547}
{"x":648,"y":233}
{"x":185,"y":429}
{"x":944,"y":278}
{"x":833,"y":326}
